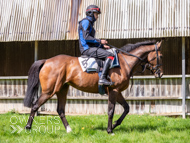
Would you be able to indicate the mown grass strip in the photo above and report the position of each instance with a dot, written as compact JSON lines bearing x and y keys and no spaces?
{"x":92,"y":128}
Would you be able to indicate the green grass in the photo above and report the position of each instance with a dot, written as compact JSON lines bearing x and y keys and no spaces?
{"x":92,"y":128}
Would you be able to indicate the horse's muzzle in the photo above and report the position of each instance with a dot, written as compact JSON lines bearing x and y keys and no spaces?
{"x":158,"y":75}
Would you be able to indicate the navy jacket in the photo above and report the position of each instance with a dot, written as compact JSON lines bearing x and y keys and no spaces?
{"x":87,"y":34}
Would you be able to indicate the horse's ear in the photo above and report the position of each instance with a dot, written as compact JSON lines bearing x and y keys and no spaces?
{"x":159,"y":44}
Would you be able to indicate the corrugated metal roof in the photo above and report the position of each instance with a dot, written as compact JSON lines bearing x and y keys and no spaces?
{"x":29,"y":20}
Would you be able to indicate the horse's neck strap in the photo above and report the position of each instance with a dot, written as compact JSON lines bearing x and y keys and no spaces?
{"x":126,"y":61}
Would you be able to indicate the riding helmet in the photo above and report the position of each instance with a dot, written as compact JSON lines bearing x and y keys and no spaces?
{"x":91,"y":9}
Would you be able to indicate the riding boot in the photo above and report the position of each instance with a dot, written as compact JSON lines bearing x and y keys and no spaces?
{"x":103,"y":80}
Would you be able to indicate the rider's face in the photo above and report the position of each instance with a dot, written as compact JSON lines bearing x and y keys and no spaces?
{"x":96,"y":15}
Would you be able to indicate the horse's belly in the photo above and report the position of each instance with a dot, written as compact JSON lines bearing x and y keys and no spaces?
{"x":89,"y":88}
{"x":86,"y":82}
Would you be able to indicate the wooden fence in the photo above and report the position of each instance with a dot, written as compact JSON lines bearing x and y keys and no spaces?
{"x":148,"y":95}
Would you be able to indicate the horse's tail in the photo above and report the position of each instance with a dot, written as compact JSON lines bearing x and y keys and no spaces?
{"x":33,"y":83}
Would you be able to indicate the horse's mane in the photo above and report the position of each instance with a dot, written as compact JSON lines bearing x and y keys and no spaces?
{"x":130,"y":47}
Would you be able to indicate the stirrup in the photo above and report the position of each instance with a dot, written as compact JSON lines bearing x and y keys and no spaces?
{"x":110,"y":83}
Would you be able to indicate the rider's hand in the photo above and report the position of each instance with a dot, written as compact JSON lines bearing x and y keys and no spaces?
{"x":106,"y":46}
{"x":104,"y":42}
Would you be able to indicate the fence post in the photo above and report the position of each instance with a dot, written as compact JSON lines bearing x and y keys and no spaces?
{"x":35,"y":59}
{"x":36,"y":51}
{"x":183,"y":77}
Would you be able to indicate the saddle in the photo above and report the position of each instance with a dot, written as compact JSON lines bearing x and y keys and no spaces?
{"x":90,"y":64}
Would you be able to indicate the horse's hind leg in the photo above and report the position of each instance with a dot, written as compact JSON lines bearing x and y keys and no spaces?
{"x":41,"y":100}
{"x":62,"y":97}
{"x":125,"y":105}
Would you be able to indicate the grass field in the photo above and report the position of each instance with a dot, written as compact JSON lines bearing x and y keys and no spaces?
{"x":92,"y":128}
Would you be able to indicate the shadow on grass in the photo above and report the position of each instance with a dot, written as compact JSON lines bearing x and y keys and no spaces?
{"x":138,"y":128}
{"x":143,"y":128}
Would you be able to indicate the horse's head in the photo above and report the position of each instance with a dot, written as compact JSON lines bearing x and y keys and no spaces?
{"x":155,"y":61}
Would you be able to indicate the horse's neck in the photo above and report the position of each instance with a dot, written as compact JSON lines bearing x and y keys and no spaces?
{"x":141,"y":52}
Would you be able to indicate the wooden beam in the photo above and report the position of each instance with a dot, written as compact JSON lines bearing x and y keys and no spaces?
{"x":183,"y":78}
{"x":103,"y":98}
{"x":36,"y":51}
{"x":35,"y":59}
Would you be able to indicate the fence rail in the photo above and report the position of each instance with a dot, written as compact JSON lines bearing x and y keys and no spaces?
{"x":148,"y":95}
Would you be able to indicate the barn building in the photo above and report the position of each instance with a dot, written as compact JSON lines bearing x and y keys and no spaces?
{"x":39,"y":29}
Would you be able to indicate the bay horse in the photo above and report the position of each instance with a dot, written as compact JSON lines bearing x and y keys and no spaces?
{"x":58,"y":73}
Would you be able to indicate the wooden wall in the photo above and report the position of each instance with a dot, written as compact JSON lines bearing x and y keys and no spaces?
{"x":17,"y":57}
{"x":48,"y":49}
{"x":148,"y":95}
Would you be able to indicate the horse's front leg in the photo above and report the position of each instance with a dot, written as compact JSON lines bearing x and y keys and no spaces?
{"x":122,"y":102}
{"x":111,"y":108}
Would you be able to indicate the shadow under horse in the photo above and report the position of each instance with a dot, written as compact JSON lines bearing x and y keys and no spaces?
{"x":58,"y":73}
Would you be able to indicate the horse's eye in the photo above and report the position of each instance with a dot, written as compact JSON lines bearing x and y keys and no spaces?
{"x":161,"y":56}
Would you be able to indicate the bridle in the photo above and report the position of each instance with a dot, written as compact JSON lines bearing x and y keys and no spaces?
{"x":155,"y":69}
{"x":144,"y":62}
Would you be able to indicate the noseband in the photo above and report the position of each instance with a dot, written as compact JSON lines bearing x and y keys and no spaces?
{"x":155,"y":69}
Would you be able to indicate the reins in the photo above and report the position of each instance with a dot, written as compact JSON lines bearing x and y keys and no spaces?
{"x":145,"y":65}
{"x":120,"y":50}
{"x":125,"y":52}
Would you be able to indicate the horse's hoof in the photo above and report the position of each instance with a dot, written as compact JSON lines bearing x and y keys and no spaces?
{"x":68,"y":129}
{"x":109,"y":131}
{"x":112,"y":134}
{"x":27,"y":127}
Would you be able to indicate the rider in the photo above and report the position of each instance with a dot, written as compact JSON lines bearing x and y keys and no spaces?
{"x":91,"y":46}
